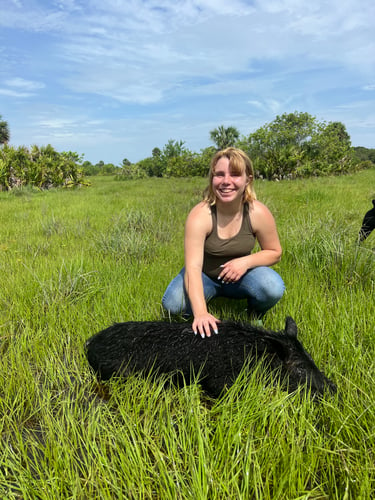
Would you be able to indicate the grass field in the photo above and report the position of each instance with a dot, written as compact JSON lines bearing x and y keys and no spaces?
{"x":73,"y":262}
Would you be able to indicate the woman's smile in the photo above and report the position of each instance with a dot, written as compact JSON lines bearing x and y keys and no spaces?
{"x":226,"y":190}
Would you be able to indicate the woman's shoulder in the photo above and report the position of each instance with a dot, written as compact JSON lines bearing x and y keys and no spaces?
{"x":200,"y":215}
{"x":203,"y":208}
{"x":260,"y":215}
{"x":257,"y":207}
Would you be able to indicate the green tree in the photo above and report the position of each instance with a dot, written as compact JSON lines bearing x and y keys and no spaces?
{"x":224,"y":137}
{"x":4,"y":132}
{"x":279,"y":148}
{"x":156,"y":153}
{"x":126,"y":162}
{"x":363,"y":154}
{"x":296,"y":144}
{"x":139,"y":170}
{"x":89,"y":169}
{"x":330,"y":151}
{"x":173,"y":149}
{"x":106,"y":168}
{"x":179,"y":161}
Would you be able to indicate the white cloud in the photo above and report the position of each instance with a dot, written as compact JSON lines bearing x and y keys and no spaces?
{"x":56,"y":123}
{"x":14,"y":93}
{"x":20,"y":88}
{"x":24,"y":84}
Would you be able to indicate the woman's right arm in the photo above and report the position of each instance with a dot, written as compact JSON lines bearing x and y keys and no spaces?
{"x":198,"y":225}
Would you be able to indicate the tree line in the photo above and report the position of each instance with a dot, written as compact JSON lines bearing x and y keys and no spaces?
{"x":291,"y":146}
{"x":294,"y":145}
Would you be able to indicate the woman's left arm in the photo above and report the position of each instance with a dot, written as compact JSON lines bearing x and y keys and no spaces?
{"x":264,"y":227}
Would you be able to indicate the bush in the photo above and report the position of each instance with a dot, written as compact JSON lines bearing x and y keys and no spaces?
{"x":41,"y":167}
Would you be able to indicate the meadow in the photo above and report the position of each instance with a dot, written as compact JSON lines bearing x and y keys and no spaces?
{"x":74,"y":261}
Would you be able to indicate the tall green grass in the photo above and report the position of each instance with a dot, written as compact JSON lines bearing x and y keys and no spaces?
{"x":73,"y":262}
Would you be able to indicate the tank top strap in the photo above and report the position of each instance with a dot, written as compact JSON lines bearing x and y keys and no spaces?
{"x":246,"y":221}
{"x":214,"y":220}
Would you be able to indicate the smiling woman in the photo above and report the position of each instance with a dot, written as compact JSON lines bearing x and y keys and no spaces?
{"x":220,"y":234}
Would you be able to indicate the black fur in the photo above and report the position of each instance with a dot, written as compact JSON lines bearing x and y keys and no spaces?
{"x":164,"y":347}
{"x":368,"y":224}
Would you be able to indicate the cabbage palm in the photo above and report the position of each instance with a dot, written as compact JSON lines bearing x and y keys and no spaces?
{"x":224,"y":137}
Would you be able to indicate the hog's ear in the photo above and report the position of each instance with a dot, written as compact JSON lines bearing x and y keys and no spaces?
{"x":373,"y":202}
{"x":291,"y":327}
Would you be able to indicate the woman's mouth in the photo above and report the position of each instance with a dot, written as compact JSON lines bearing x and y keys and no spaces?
{"x":226,"y":190}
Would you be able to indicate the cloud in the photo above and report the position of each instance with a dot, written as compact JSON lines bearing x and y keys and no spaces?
{"x":157,"y":50}
{"x":56,"y":123}
{"x":142,"y":51}
{"x":20,"y":88}
{"x":24,"y":84}
{"x":14,"y":93}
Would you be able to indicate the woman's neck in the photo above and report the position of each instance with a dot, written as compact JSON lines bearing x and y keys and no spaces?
{"x":230,"y":209}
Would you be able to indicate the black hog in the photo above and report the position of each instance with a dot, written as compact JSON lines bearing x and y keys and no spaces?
{"x":164,"y":347}
{"x":368,"y":223}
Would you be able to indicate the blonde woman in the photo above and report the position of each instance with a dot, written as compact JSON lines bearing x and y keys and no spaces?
{"x":220,"y":234}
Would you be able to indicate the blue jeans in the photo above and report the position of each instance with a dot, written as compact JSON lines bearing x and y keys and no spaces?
{"x":261,"y":286}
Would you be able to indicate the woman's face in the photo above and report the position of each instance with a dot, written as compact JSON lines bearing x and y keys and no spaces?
{"x":228,"y":185}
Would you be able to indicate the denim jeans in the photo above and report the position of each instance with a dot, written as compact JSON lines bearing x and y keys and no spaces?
{"x":261,"y":286}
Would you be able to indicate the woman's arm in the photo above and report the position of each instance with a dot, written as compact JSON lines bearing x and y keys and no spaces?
{"x":198,"y":225}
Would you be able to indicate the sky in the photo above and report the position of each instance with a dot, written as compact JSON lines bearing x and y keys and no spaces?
{"x":114,"y":79}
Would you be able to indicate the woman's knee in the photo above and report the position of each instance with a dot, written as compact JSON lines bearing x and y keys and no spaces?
{"x":174,"y":304}
{"x":266,"y":284}
{"x":274,"y":285}
{"x":174,"y":300}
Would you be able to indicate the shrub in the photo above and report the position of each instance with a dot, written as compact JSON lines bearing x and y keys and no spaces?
{"x":41,"y":167}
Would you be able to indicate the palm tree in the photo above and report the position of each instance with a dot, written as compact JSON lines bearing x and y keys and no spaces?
{"x":224,"y":137}
{"x":4,"y":132}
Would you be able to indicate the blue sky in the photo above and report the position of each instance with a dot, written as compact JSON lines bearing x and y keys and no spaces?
{"x":113,"y":79}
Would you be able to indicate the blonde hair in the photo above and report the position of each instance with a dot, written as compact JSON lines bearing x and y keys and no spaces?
{"x":239,"y":163}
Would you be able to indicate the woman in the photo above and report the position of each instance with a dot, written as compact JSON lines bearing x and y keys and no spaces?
{"x":220,"y":234}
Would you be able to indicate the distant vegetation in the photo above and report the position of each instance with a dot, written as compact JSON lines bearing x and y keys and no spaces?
{"x":364,"y":154}
{"x":294,"y":145}
{"x":40,"y":167}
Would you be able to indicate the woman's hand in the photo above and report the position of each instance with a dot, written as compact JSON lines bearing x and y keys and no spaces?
{"x":233,"y":270}
{"x":204,"y":324}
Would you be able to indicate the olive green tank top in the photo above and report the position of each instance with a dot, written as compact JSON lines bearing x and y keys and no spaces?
{"x":217,"y":251}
